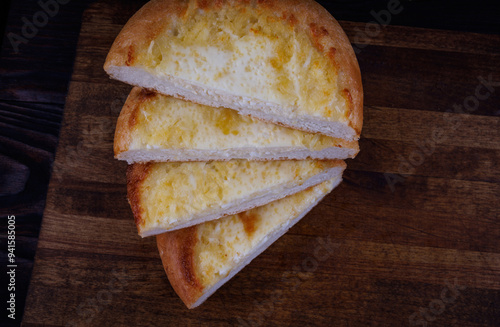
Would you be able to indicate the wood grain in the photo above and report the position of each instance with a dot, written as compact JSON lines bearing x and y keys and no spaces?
{"x":395,"y":250}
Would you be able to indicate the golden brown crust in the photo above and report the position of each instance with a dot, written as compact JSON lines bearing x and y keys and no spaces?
{"x":136,"y":174}
{"x":305,"y":15}
{"x":123,"y":128}
{"x":329,"y":38}
{"x":141,"y":29}
{"x":177,"y":255}
{"x":128,"y":119}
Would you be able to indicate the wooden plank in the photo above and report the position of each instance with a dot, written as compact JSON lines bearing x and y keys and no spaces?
{"x":427,"y":80}
{"x":341,"y":281}
{"x":420,"y":38}
{"x":420,"y":125}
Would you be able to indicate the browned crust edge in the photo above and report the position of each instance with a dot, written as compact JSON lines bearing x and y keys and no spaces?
{"x":136,"y":174}
{"x":177,"y":255}
{"x":123,"y":130}
{"x":127,"y":119}
{"x":141,"y":29}
{"x":330,"y":39}
{"x":306,"y":15}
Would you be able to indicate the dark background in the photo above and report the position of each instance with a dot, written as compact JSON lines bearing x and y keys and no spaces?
{"x":34,"y":83}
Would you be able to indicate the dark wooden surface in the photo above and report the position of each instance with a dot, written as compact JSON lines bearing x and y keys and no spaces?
{"x":445,"y":214}
{"x":33,"y":87}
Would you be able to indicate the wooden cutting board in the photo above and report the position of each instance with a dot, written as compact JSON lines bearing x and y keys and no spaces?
{"x":413,"y":231}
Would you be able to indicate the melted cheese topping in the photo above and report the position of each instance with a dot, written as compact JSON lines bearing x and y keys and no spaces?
{"x":172,"y":193}
{"x":167,"y":122}
{"x":225,"y":242}
{"x":252,"y":54}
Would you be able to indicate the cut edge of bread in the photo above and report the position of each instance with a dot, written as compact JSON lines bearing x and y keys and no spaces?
{"x":191,"y":295}
{"x":266,"y":111}
{"x":261,"y":154}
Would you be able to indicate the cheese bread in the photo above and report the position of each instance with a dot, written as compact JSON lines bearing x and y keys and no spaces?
{"x":155,"y":127}
{"x":200,"y":259}
{"x":283,"y":61}
{"x":167,"y":196}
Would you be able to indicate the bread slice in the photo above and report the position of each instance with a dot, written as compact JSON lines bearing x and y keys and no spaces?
{"x":284,"y":61}
{"x":154,"y":127}
{"x":169,"y":196}
{"x":200,"y":259}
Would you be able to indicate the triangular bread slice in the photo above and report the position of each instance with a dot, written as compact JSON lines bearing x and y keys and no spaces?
{"x":200,"y":259}
{"x":284,"y":61}
{"x":168,"y":196}
{"x":155,"y":127}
